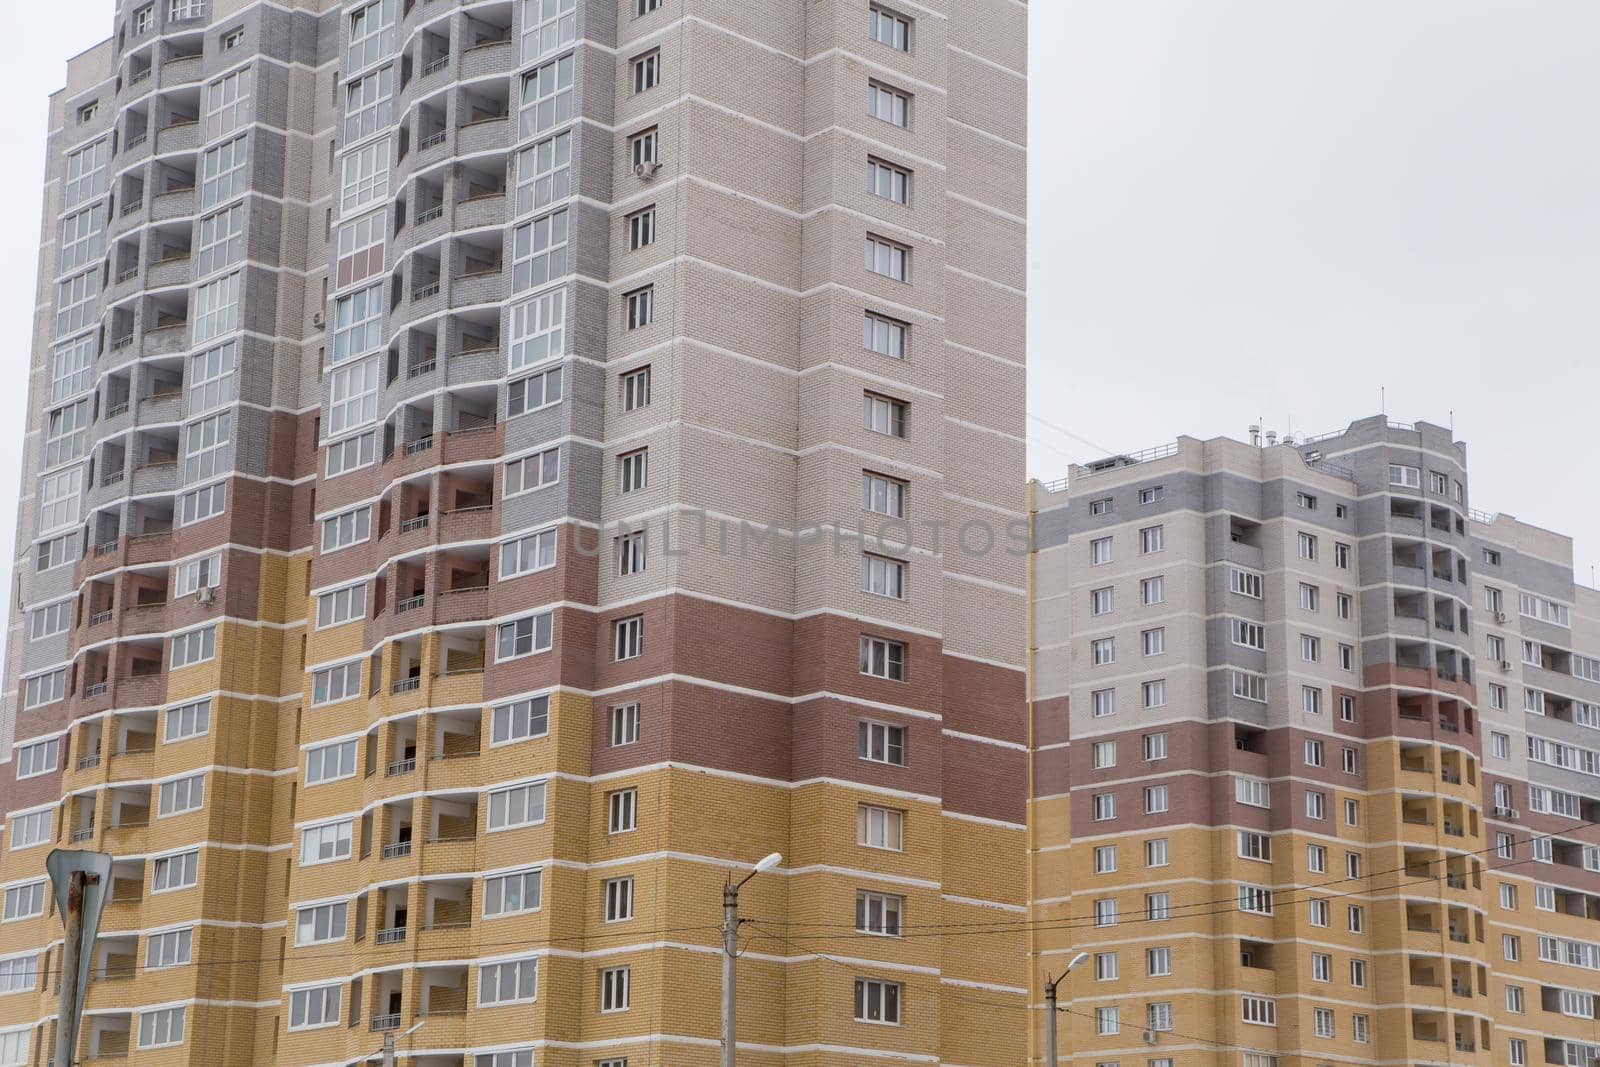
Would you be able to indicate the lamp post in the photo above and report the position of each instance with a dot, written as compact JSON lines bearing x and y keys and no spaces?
{"x":389,"y":1040}
{"x":1050,"y":1009}
{"x":730,"y":948}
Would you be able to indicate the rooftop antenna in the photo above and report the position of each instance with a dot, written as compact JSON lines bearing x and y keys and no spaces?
{"x":1383,"y":399}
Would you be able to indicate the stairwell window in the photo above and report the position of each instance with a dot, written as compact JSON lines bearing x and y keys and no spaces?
{"x":631,"y":553}
{"x":884,"y":414}
{"x":644,"y":149}
{"x":633,"y":471}
{"x":883,"y":495}
{"x":647,"y":71}
{"x":642,"y":228}
{"x":614,"y":989}
{"x":627,"y":638}
{"x":625,"y":721}
{"x":889,"y":28}
{"x":888,"y":104}
{"x":888,"y":258}
{"x":882,"y":576}
{"x":618,"y":895}
{"x":639,"y":307}
{"x":888,"y":181}
{"x":885,"y":336}
{"x":622,"y":811}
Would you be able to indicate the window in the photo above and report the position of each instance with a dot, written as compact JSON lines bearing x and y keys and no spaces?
{"x":614,"y":989}
{"x":46,"y":688}
{"x":1545,"y":610}
{"x":889,"y":259}
{"x":539,"y":251}
{"x":86,"y":174}
{"x":357,"y":324}
{"x":171,"y":948}
{"x":888,"y":181}
{"x":1249,"y":634}
{"x":877,"y":1001}
{"x":352,"y":396}
{"x":181,"y":795}
{"x":1355,"y":918}
{"x":1103,"y":702}
{"x":883,"y":414}
{"x":622,"y":811}
{"x":640,"y":307}
{"x":1158,"y":962}
{"x":1517,"y":1051}
{"x":144,"y":19}
{"x":232,"y":39}
{"x":371,"y":34}
{"x":1152,"y":539}
{"x":41,"y":757}
{"x":1105,"y":912}
{"x":1108,"y":1021}
{"x":1316,"y":804}
{"x":518,"y":805}
{"x":1308,"y":546}
{"x":333,"y":684}
{"x":533,"y":471}
{"x":888,"y":28}
{"x":618,"y":894}
{"x":644,"y":7}
{"x":644,"y":149}
{"x":162,"y":1026}
{"x":511,"y":894}
{"x":49,"y":620}
{"x":878,"y":913}
{"x":222,"y":173}
{"x":544,"y":173}
{"x":25,"y":902}
{"x":1341,"y":555}
{"x":885,"y":336}
{"x":82,"y":238}
{"x":195,"y":574}
{"x":508,"y":982}
{"x":633,"y":471}
{"x":647,"y":71}
{"x":1497,"y":696}
{"x":888,"y":104}
{"x":878,"y":827}
{"x":1103,"y":650}
{"x":1317,"y":859}
{"x":1260,"y":1011}
{"x":1347,"y":709}
{"x":624,"y":724}
{"x":1155,"y":799}
{"x":1255,"y":792}
{"x":1511,"y":947}
{"x":1105,"y":859}
{"x":187,"y":720}
{"x":533,"y":392}
{"x":1105,"y":966}
{"x":1155,"y":746}
{"x":547,"y":26}
{"x":525,"y":636}
{"x":227,"y":104}
{"x":196,"y":646}
{"x":627,"y":638}
{"x":70,"y":372}
{"x":1156,"y":852}
{"x":631,"y":554}
{"x":1305,"y":500}
{"x":326,"y":843}
{"x":58,"y":499}
{"x":1313,"y":752}
{"x":1407,"y":477}
{"x":1102,"y":506}
{"x":198,"y":505}
{"x":321,"y":924}
{"x":1341,"y":604}
{"x":642,"y":228}
{"x":176,"y":872}
{"x":1347,"y":657}
{"x":1154,"y":641}
{"x":1500,"y":746}
{"x":1105,"y":807}
{"x":363,"y":176}
{"x":879,"y":742}
{"x":1322,"y":1021}
{"x":1155,"y":693}
{"x":1310,"y":597}
{"x":1153,"y":590}
{"x":203,"y":446}
{"x":1102,"y":601}
{"x":1158,"y":1016}
{"x":1318,"y":912}
{"x":18,"y":973}
{"x":329,"y":763}
{"x":1245,"y":583}
{"x":882,"y":658}
{"x":636,"y":389}
{"x":1255,"y":846}
{"x":520,"y":720}
{"x":87,"y":112}
{"x":1311,"y":700}
{"x":528,"y":553}
{"x":1104,"y":754}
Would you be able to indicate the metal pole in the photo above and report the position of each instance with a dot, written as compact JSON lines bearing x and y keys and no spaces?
{"x":67,"y":1010}
{"x":1050,"y":1022}
{"x":730,"y":947}
{"x":388,"y":1049}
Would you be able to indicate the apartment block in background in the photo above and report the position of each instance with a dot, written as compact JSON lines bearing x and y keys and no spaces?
{"x":458,"y":434}
{"x":1316,"y":759}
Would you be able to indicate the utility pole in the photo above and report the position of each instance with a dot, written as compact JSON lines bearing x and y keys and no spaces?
{"x":1050,"y":1008}
{"x":730,"y":956}
{"x":80,"y":880}
{"x":71,"y":947}
{"x":388,"y":1049}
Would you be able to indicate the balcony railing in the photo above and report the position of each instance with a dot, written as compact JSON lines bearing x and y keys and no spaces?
{"x":391,"y":936}
{"x":437,"y":65}
{"x":434,"y":212}
{"x":432,"y":139}
{"x":386,"y":1022}
{"x":426,"y":365}
{"x":421,"y":444}
{"x":82,"y":835}
{"x":95,"y":689}
{"x":91,"y":760}
{"x":411,"y":603}
{"x":406,"y":685}
{"x":101,"y":616}
{"x":431,"y":289}
{"x":396,"y":850}
{"x":399,"y":767}
{"x":419,"y":522}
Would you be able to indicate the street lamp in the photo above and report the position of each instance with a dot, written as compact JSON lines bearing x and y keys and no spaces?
{"x":730,"y":947}
{"x":1050,"y":1008}
{"x":389,"y":1040}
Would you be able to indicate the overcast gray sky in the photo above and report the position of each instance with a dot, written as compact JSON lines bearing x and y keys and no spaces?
{"x":1240,"y":210}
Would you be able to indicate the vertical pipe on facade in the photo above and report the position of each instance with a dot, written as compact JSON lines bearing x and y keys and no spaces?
{"x":1031,"y":815}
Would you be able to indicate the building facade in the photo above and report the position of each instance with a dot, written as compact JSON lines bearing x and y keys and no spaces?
{"x":459,"y":435}
{"x":1315,"y":764}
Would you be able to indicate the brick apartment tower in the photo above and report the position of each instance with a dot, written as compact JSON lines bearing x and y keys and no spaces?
{"x":437,"y":568}
{"x":1316,"y":763}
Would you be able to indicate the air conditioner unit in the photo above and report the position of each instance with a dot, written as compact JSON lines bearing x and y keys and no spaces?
{"x":1505,"y":665}
{"x":317,"y":320}
{"x":1502,"y":813}
{"x":646,"y":170}
{"x":1500,"y":616}
{"x":1150,"y":1037}
{"x":205,"y":595}
{"x":1514,"y":814}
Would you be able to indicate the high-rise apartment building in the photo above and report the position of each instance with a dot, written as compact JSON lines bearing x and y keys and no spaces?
{"x":457,"y":433}
{"x":1317,"y":751}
